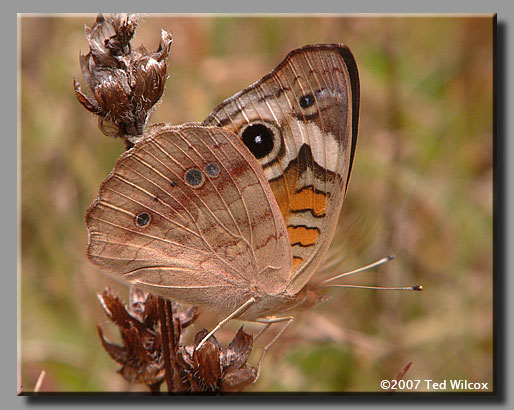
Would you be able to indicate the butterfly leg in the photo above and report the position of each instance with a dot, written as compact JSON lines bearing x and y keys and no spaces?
{"x":269,"y":322}
{"x":262,"y":331}
{"x":234,"y":314}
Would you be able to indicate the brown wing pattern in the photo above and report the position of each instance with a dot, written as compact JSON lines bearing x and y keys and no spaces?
{"x":189,"y":214}
{"x":300,"y":121}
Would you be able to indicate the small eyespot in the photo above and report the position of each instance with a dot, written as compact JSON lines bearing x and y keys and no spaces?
{"x":212,"y":169}
{"x":142,"y":219}
{"x":194,"y":178}
{"x":173,"y":184}
{"x":307,"y":100}
{"x":258,"y":138}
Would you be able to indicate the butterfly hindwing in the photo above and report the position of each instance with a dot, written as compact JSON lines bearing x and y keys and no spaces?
{"x":186,"y":214}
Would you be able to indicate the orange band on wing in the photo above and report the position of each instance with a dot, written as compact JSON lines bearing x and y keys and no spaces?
{"x":303,"y":235}
{"x":297,"y":261}
{"x":290,"y":198}
{"x":307,"y":199}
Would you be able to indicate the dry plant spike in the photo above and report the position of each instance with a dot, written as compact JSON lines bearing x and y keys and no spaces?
{"x":401,"y":375}
{"x":39,"y":382}
{"x":37,"y":387}
{"x":171,"y":332}
{"x":126,"y":83}
{"x":153,"y":351}
{"x":402,"y":372}
{"x":166,"y":350}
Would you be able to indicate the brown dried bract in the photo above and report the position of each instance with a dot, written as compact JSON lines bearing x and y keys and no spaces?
{"x":141,"y":352}
{"x":212,"y":368}
{"x":126,"y":83}
{"x":150,"y":356}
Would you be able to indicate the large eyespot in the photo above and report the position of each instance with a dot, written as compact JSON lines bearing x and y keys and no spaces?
{"x":194,"y":178}
{"x":263,"y":140}
{"x":259,"y":140}
{"x":142,"y":219}
{"x":306,"y":100}
{"x":212,"y":169}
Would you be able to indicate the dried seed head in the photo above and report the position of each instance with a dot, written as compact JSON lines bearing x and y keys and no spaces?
{"x":141,"y":352}
{"x":211,"y":368}
{"x":125,"y":83}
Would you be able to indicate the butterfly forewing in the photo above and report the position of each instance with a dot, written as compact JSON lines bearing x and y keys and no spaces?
{"x":300,"y":122}
{"x":189,"y":214}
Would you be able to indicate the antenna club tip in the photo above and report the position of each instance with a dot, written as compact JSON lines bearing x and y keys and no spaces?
{"x":418,"y":287}
{"x":390,"y":257}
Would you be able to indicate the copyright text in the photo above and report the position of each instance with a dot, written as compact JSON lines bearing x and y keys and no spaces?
{"x":432,"y":385}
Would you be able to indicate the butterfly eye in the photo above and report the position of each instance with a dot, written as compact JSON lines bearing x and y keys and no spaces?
{"x":258,"y":138}
{"x":194,"y":178}
{"x":307,"y":100}
{"x":212,"y":169}
{"x":142,"y":219}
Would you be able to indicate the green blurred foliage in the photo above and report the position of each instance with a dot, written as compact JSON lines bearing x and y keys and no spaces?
{"x":421,"y":188}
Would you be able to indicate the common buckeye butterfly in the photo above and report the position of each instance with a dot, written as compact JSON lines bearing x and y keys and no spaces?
{"x":237,"y":212}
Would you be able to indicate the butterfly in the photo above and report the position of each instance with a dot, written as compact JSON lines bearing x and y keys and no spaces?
{"x":237,"y":212}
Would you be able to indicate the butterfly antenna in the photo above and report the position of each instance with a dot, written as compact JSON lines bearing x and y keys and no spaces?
{"x":372,"y":265}
{"x":417,"y":287}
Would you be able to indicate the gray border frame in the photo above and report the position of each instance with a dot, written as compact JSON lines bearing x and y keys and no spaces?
{"x":504,"y":170}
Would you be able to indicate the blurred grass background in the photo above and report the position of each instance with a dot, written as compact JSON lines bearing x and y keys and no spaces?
{"x":421,"y":188}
